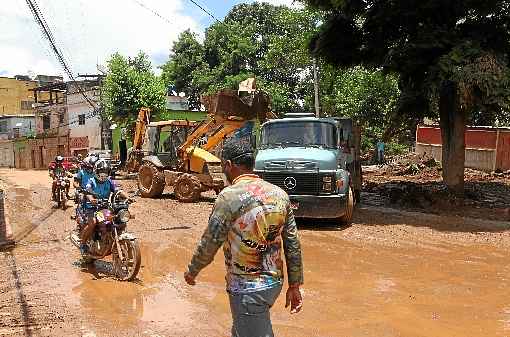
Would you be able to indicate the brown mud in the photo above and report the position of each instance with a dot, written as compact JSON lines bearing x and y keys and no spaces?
{"x":414,"y":182}
{"x":392,"y":273}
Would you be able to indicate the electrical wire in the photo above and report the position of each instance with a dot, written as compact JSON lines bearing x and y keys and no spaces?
{"x":204,"y":10}
{"x":139,"y":3}
{"x":48,"y":35}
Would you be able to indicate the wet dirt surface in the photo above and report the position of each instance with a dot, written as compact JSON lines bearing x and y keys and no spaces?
{"x":392,"y":273}
{"x":414,"y":182}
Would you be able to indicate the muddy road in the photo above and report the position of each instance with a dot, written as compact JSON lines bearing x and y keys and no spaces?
{"x":391,"y":273}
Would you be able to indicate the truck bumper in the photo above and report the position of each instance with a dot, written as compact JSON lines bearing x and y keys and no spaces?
{"x":318,"y":207}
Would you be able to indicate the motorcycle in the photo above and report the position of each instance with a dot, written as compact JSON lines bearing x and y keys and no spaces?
{"x":111,"y":238}
{"x":61,"y":189}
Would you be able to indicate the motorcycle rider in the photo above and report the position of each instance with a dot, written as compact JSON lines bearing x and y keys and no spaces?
{"x":81,"y":178}
{"x":100,"y":185}
{"x":57,"y":170}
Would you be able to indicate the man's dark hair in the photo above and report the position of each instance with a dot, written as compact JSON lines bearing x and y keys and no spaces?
{"x":239,"y":151}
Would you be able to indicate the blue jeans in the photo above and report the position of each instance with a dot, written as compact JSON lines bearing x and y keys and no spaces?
{"x":250,"y":312}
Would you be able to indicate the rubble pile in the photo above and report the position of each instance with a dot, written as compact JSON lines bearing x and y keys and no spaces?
{"x":415,"y":182}
{"x":413,"y":164}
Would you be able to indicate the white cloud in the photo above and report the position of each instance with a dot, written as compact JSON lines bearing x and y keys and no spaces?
{"x":88,"y":32}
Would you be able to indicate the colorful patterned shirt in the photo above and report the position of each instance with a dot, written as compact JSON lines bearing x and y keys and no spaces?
{"x":251,"y":219}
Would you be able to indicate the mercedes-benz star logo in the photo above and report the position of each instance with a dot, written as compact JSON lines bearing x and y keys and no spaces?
{"x":290,"y":183}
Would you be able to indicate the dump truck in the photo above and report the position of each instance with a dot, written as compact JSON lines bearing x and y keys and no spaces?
{"x":316,"y":161}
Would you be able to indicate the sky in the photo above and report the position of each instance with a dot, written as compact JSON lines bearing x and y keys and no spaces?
{"x":89,"y":31}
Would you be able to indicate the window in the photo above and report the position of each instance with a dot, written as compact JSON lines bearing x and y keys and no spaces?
{"x":61,"y":118}
{"x":46,"y":122}
{"x":15,"y":132}
{"x":3,"y":126}
{"x":81,"y":119}
{"x":26,"y":105}
{"x":299,"y":134}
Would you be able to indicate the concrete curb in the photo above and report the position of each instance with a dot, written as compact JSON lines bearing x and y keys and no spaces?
{"x":424,"y":215}
{"x":5,"y":228}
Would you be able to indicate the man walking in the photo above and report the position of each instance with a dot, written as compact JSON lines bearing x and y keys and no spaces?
{"x":252,"y":219}
{"x":380,"y":152}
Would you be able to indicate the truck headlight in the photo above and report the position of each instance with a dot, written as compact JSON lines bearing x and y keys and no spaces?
{"x":124,"y":216}
{"x":326,"y":179}
{"x":327,"y":187}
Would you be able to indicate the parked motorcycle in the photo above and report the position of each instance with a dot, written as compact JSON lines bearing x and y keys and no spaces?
{"x":111,"y":238}
{"x":61,"y":189}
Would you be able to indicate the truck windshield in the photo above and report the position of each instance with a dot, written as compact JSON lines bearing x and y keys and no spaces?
{"x":305,"y":133}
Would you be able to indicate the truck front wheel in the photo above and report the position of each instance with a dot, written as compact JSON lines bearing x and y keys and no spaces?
{"x":346,"y":219}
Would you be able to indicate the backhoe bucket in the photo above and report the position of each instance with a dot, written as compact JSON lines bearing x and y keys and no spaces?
{"x":227,"y":104}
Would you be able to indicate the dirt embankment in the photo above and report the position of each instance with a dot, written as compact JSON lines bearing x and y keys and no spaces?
{"x":414,"y":182}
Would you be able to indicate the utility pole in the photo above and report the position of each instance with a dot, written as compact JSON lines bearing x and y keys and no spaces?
{"x":316,"y":88}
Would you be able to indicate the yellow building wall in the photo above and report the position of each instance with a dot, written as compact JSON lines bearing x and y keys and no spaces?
{"x":12,"y":93}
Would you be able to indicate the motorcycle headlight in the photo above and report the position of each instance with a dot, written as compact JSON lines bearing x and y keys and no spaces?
{"x":124,"y":215}
{"x":63,"y":183}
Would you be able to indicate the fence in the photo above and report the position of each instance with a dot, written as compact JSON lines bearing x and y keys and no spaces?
{"x":487,"y":148}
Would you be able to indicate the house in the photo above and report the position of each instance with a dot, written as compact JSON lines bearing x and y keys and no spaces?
{"x":176,"y":103}
{"x":51,"y":110}
{"x":16,"y":97}
{"x":52,"y":124}
{"x":85,"y":125}
{"x":16,"y":126}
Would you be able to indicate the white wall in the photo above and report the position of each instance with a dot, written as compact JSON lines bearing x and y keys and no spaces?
{"x":77,"y":105}
{"x":480,"y":159}
{"x":6,"y":154}
{"x":27,"y":126}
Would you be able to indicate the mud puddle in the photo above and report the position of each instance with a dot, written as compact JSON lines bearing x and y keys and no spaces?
{"x":157,"y":300}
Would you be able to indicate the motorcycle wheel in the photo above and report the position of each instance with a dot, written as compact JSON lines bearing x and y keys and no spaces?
{"x":127,"y":268}
{"x":63,"y":199}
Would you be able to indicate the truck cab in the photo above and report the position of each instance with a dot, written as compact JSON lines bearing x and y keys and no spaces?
{"x":314,"y":161}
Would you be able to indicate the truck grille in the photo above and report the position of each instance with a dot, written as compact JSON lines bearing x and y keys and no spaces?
{"x":305,"y":183}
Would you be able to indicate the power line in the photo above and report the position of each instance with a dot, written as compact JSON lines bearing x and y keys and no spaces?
{"x":204,"y":10}
{"x":48,"y":35}
{"x":153,"y":11}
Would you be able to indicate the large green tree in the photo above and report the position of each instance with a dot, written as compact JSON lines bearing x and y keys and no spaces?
{"x":187,"y":58}
{"x":369,"y":97}
{"x":130,"y":84}
{"x":257,"y":39}
{"x":452,"y":58}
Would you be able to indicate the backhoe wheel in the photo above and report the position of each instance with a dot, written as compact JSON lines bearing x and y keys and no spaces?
{"x":151,"y":181}
{"x":187,"y":188}
{"x":346,"y":219}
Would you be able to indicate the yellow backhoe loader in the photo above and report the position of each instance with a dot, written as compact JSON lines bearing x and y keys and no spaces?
{"x":179,"y":153}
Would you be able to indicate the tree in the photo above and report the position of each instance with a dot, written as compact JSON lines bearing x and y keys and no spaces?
{"x":130,"y":84}
{"x":187,"y":56}
{"x":257,"y":39}
{"x":369,"y":97}
{"x":452,"y":58}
